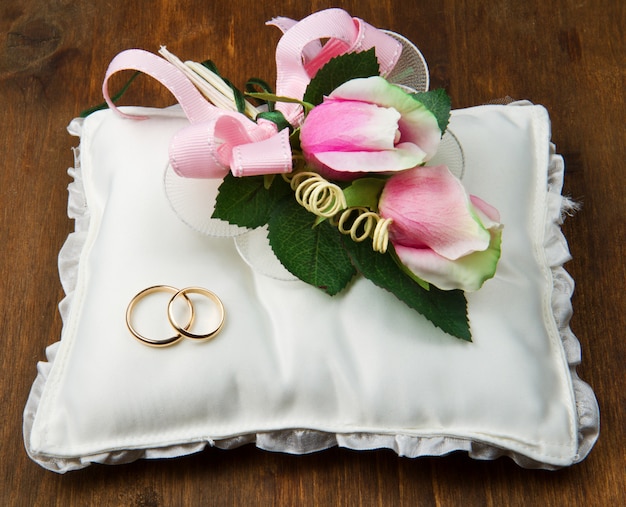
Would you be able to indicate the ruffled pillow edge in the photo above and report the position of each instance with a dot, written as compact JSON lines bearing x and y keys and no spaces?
{"x":303,"y":441}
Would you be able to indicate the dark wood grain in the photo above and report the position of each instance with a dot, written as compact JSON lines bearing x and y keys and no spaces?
{"x":569,"y":55}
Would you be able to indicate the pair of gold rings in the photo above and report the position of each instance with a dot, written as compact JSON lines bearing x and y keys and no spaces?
{"x":184,"y":330}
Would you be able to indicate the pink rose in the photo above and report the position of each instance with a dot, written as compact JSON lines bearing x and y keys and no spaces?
{"x":368,"y":125}
{"x":441,"y":234}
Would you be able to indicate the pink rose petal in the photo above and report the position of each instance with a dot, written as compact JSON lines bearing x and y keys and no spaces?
{"x":430,"y":209}
{"x":467,"y":273}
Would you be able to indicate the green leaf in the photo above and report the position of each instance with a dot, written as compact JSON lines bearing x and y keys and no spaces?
{"x":364,"y":192}
{"x":313,"y":254}
{"x":247,"y":202}
{"x":294,"y":141}
{"x":422,"y":283}
{"x":339,"y":70}
{"x":438,"y":103}
{"x":445,"y":309}
{"x":276,"y":117}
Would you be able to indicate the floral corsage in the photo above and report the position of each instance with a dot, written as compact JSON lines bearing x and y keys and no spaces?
{"x":335,"y":164}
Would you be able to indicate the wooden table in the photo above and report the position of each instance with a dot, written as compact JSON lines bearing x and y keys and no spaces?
{"x":569,"y":55}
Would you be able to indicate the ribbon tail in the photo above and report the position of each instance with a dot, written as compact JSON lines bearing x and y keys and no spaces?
{"x":310,"y":51}
{"x":196,"y":107}
{"x":345,"y":34}
{"x":270,"y":156}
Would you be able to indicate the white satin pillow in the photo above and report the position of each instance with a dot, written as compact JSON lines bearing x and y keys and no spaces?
{"x":295,"y":370}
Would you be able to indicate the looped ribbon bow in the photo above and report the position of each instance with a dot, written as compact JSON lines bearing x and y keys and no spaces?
{"x":218,"y":140}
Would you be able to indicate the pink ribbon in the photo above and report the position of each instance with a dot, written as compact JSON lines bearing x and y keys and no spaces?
{"x":345,"y":34}
{"x":216,"y":140}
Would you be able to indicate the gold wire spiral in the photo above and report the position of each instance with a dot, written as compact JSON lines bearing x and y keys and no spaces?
{"x":366,"y":224}
{"x":327,"y":200}
{"x":317,"y":195}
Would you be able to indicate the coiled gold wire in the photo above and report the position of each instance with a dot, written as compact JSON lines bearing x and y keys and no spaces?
{"x":366,"y":224}
{"x":327,"y":200}
{"x":316,"y":194}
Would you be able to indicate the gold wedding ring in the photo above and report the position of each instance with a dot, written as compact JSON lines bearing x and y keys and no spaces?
{"x":149,"y":341}
{"x":184,"y":330}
